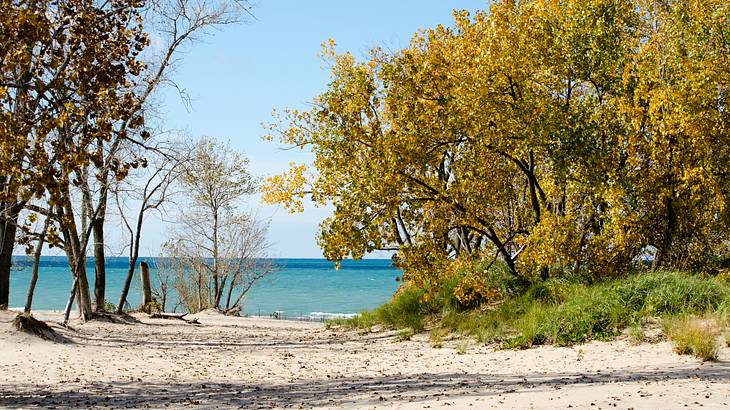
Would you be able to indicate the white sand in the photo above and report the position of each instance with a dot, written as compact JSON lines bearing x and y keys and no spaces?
{"x":255,"y":363}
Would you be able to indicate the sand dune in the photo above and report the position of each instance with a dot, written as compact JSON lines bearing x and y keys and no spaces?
{"x":255,"y":363}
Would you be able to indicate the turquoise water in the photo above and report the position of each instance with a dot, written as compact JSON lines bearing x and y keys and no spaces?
{"x":300,"y":288}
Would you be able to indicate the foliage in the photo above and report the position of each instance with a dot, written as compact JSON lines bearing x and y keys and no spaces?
{"x":559,"y":311}
{"x":109,"y":306}
{"x":579,"y":137}
{"x":405,"y":310}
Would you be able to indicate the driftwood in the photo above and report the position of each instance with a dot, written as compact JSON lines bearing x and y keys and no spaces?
{"x":123,"y":318}
{"x":173,"y":316}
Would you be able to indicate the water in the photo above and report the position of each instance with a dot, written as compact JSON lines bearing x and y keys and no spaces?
{"x":308,"y":288}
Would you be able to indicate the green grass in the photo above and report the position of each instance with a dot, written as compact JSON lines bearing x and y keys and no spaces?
{"x":404,"y":311}
{"x":437,"y":338}
{"x":560,"y":311}
{"x":636,"y":334}
{"x":462,"y":347}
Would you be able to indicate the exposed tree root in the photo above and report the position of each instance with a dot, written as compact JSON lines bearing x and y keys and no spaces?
{"x":28,"y":324}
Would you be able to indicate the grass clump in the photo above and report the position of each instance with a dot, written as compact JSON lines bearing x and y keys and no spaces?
{"x":437,"y":338}
{"x":404,"y":335}
{"x":636,"y":334}
{"x":404,"y":311}
{"x":693,"y":336}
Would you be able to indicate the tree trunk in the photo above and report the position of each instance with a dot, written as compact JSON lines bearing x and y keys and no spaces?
{"x":72,"y":296}
{"x":230,"y":292}
{"x":200,"y":291}
{"x":216,"y":293}
{"x":163,"y":302}
{"x":36,"y":264}
{"x":125,"y":288}
{"x":664,"y":248}
{"x":84,"y":297}
{"x":76,"y":254}
{"x":99,"y":264}
{"x":133,"y":256}
{"x":7,"y":236}
{"x":146,"y":288}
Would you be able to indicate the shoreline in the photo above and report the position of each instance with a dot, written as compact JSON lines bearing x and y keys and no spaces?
{"x":313,"y":317}
{"x":268,"y":363}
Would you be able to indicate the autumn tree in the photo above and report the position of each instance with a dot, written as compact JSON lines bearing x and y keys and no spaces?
{"x":528,"y":133}
{"x":66,"y":72}
{"x":76,"y":80}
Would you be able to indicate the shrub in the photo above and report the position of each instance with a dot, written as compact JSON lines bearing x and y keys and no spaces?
{"x":636,"y":334}
{"x":405,"y":335}
{"x":670,"y":293}
{"x":109,"y":306}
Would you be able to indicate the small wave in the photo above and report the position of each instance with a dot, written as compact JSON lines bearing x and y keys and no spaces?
{"x":328,"y":315}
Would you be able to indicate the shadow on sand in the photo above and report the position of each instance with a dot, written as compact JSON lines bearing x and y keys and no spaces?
{"x":328,"y":392}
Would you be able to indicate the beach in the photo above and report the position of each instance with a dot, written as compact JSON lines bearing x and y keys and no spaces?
{"x":263,"y":363}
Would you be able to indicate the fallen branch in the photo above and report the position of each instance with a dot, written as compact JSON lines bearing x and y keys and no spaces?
{"x":174,"y":316}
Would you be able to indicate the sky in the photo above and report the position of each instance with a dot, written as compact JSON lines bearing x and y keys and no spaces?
{"x":236,"y":78}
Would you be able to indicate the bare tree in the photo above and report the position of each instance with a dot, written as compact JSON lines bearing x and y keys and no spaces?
{"x":219,"y":248}
{"x":156,"y":189}
{"x":242,"y":261}
{"x":216,"y":179}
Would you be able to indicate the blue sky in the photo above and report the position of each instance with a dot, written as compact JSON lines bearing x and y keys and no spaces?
{"x":237,"y":76}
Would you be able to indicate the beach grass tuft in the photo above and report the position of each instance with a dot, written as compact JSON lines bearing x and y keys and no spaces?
{"x":692,"y":335}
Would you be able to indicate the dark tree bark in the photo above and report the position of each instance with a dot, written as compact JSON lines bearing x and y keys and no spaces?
{"x":99,"y":264}
{"x":8,"y":229}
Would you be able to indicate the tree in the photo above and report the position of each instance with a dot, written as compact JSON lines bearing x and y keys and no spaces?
{"x":66,"y":73}
{"x":176,"y":24}
{"x":528,"y":133}
{"x":220,"y":248}
{"x":241,"y":262}
{"x":164,"y":164}
{"x":76,"y":78}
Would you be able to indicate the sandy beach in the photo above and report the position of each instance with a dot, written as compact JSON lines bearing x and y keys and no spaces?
{"x":260,"y":363}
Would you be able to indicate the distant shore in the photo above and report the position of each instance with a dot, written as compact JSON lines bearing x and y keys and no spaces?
{"x":267,"y":363}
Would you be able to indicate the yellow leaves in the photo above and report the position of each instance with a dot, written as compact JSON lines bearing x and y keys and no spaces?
{"x":328,"y":49}
{"x":286,"y":189}
{"x":554,"y":130}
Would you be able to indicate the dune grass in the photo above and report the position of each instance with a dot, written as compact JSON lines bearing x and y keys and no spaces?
{"x":404,"y":311}
{"x":560,"y":311}
{"x":693,"y":335}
